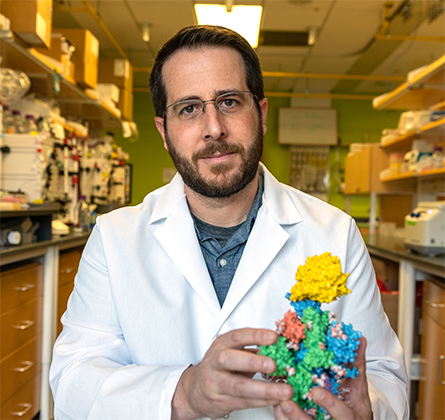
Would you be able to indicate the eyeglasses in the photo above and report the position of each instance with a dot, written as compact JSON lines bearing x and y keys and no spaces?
{"x":230,"y":103}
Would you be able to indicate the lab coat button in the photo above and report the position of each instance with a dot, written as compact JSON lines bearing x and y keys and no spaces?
{"x":222,"y":262}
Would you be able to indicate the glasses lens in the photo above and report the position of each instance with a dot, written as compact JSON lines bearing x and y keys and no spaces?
{"x":185,"y":111}
{"x":234,"y":102}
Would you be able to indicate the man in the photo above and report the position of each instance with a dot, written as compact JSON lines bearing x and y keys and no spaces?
{"x":172,"y":294}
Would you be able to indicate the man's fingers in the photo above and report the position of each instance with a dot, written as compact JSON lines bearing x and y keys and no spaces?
{"x":360,"y":361}
{"x":238,"y":386}
{"x":288,"y":410}
{"x":238,"y":339}
{"x":336,"y":408}
{"x":243,"y":361}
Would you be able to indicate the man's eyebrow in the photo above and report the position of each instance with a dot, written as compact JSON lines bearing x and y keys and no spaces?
{"x":186,"y":98}
{"x":217,"y":93}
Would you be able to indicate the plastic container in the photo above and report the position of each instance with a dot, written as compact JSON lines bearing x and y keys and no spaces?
{"x":8,"y":120}
{"x":19,"y":122}
{"x":438,"y":158}
{"x":30,"y":124}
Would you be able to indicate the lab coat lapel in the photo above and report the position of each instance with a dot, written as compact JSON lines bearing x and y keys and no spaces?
{"x":265,"y":241}
{"x":255,"y":260}
{"x":178,"y":238}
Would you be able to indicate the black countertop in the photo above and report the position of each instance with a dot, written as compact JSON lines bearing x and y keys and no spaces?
{"x":393,"y":248}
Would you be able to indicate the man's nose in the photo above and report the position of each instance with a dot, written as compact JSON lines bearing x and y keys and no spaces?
{"x":213,"y":121}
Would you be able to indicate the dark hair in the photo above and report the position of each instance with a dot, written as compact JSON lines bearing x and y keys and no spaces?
{"x":193,"y":37}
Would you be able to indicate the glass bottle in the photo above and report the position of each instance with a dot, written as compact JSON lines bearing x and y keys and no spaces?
{"x":438,"y":158}
{"x":19,"y":122}
{"x":8,"y":120}
{"x":30,"y":124}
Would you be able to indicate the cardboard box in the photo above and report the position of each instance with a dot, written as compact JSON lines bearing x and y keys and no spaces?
{"x":59,"y":53}
{"x":31,"y":20}
{"x":117,"y":71}
{"x":109,"y":91}
{"x":126,"y":103}
{"x":86,"y":56}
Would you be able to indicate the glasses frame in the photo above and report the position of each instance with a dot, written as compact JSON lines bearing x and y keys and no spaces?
{"x":252,"y":96}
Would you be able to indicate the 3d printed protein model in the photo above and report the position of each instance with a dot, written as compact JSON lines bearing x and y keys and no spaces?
{"x":312,"y":348}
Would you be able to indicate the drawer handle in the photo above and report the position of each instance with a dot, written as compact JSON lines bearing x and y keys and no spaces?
{"x":25,"y":325}
{"x":67,"y":270}
{"x":25,"y":287}
{"x":439,"y":371}
{"x":26,"y":408}
{"x":28,"y":365}
{"x":434,"y":304}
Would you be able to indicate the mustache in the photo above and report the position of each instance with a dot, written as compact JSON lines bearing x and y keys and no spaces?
{"x":219,"y":146}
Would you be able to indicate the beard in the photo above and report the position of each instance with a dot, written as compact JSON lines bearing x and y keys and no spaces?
{"x":224,"y":184}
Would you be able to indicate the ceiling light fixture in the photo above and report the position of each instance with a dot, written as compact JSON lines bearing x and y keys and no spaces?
{"x":146,"y":32}
{"x":312,"y":35}
{"x":245,"y":20}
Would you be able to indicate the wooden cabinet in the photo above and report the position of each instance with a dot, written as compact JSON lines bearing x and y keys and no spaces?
{"x":21,"y":340}
{"x":432,"y":383}
{"x":68,"y":264}
{"x":362,"y":170}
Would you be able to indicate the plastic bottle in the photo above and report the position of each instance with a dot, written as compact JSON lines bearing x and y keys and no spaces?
{"x":30,"y":124}
{"x":19,"y":122}
{"x":8,"y":120}
{"x":438,"y":158}
{"x":10,"y":237}
{"x":43,"y":126}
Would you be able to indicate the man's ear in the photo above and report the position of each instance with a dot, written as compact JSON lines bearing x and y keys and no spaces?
{"x":159,"y":121}
{"x":263,"y":108}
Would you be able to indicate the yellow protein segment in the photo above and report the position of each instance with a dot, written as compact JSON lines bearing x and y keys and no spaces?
{"x":320,"y":279}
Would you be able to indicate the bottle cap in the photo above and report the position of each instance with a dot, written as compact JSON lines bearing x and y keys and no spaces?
{"x":14,"y":237}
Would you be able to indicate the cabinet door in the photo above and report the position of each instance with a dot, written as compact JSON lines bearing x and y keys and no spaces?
{"x":432,"y":383}
{"x":20,"y":285}
{"x":357,"y":172}
{"x":68,"y":264}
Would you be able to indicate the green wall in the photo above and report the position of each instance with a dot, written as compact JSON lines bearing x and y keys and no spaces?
{"x":357,"y":122}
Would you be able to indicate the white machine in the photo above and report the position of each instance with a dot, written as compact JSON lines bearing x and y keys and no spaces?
{"x":425,"y":228}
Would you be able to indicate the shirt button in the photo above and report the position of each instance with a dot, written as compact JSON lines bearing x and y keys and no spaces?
{"x":222,"y":262}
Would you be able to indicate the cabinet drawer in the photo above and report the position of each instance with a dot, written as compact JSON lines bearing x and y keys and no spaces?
{"x":64,"y":294}
{"x":20,"y":285}
{"x":435,"y":302}
{"x":24,"y":404}
{"x":20,"y":367}
{"x":19,"y":326}
{"x":68,"y":264}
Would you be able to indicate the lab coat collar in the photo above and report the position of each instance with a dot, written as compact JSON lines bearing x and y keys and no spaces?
{"x":177,"y":236}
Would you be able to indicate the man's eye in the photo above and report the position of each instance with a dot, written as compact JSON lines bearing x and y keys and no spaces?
{"x":229,"y":103}
{"x":187,"y":110}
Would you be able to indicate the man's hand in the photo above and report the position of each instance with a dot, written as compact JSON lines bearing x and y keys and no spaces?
{"x":357,"y":405}
{"x":223,"y":382}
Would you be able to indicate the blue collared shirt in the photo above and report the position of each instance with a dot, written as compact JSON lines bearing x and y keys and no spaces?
{"x":223,"y":247}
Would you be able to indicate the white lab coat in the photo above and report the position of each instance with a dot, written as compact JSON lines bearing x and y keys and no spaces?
{"x":143,"y":308}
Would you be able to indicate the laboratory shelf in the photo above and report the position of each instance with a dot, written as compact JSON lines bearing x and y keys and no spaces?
{"x":423,"y":89}
{"x":45,"y":75}
{"x":413,"y":175}
{"x":402,"y":143}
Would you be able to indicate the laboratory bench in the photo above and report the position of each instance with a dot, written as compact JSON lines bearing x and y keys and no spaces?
{"x":421,"y":330}
{"x":45,"y":272}
{"x":36,"y":281}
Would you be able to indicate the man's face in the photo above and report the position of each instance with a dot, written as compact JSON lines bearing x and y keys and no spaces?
{"x":216,"y":155}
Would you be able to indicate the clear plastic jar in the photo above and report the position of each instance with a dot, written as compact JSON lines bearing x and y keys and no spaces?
{"x":8,"y":120}
{"x":19,"y":122}
{"x":30,"y":124}
{"x":438,"y":158}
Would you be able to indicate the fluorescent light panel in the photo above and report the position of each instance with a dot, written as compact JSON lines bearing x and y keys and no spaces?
{"x":245,"y":20}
